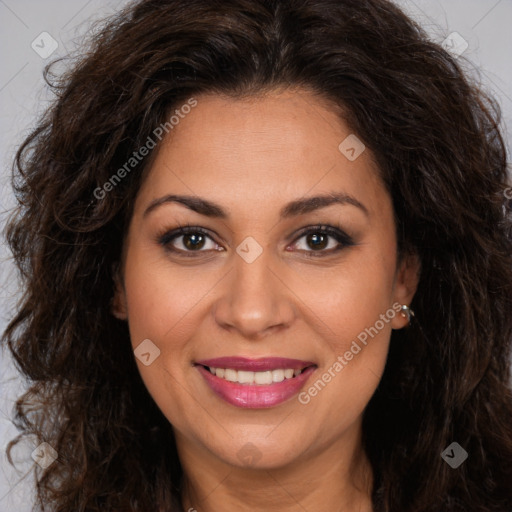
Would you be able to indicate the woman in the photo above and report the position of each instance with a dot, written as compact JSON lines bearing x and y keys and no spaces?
{"x":266,"y":250}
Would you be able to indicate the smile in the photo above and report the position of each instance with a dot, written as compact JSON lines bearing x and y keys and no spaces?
{"x":258,"y":378}
{"x":255,"y":383}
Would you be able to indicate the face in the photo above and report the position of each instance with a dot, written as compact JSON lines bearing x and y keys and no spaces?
{"x":288,"y":300}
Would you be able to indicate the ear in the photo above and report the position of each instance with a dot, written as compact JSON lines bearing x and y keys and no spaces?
{"x":118,"y":303}
{"x":406,"y":283}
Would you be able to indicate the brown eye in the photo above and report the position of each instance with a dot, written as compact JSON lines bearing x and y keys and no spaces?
{"x":187,"y":240}
{"x":317,"y":241}
{"x":193,"y":241}
{"x":324,"y":240}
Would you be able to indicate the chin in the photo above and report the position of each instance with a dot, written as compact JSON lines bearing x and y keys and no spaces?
{"x":264,"y":454}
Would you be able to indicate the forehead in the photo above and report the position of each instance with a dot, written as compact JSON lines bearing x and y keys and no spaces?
{"x":262,"y":150}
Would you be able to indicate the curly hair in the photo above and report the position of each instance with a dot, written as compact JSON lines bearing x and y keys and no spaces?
{"x":435,"y":136}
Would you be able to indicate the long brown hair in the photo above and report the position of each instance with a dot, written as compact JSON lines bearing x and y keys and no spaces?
{"x":435,"y":136}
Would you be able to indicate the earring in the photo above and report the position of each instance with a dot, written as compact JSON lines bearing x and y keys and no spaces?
{"x":406,"y":312}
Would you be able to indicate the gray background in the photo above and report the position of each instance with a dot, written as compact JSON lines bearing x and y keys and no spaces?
{"x":484,"y":24}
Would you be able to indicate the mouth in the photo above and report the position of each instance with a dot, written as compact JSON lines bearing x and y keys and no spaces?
{"x":255,"y":383}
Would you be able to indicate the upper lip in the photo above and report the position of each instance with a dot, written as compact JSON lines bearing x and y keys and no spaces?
{"x":255,"y":365}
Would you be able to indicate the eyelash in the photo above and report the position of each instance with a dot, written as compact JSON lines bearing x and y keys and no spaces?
{"x":337,"y":233}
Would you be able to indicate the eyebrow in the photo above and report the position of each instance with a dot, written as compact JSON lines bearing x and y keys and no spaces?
{"x":292,"y":209}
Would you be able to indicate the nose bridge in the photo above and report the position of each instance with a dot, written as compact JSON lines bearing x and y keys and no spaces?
{"x":254,"y":299}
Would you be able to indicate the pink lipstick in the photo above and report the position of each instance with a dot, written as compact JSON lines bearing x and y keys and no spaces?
{"x":255,"y":383}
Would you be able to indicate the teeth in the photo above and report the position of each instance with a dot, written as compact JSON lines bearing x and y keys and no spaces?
{"x":258,"y":378}
{"x":231,"y":375}
{"x":263,"y":377}
{"x":277,"y":375}
{"x":245,"y":377}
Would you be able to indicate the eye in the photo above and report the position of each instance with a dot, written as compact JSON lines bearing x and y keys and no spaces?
{"x":320,"y":238}
{"x":187,"y":240}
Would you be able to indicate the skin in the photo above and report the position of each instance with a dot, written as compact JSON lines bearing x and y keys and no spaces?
{"x":253,"y":156}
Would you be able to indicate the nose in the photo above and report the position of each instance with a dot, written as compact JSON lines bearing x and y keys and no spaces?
{"x":255,"y":300}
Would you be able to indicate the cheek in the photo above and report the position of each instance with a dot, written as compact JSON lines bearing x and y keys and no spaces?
{"x":158,"y":312}
{"x":348,"y":305}
{"x":349,"y":376}
{"x":347,"y":299}
{"x":162,"y":300}
{"x":166,"y":305}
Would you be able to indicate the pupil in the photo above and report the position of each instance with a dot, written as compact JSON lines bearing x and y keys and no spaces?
{"x":315,"y":238}
{"x":196,"y":241}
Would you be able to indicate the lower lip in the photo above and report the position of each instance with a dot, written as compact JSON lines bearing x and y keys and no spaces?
{"x":255,"y":396}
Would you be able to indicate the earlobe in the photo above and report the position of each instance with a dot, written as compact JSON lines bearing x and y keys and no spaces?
{"x":405,"y":287}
